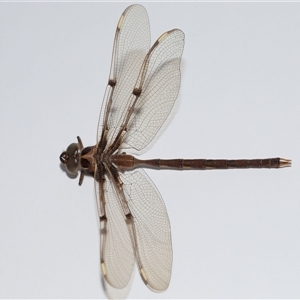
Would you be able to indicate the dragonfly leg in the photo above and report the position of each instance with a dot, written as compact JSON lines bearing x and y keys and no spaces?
{"x":81,"y":177}
{"x":80,"y":142}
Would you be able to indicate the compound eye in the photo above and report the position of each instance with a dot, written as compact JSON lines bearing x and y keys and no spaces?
{"x":72,"y":165}
{"x":70,"y":158}
{"x":72,"y":150}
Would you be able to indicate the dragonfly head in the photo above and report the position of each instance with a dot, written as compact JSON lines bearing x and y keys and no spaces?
{"x":71,"y":158}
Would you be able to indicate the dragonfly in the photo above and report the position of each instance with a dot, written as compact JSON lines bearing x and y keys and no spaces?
{"x":143,"y":85}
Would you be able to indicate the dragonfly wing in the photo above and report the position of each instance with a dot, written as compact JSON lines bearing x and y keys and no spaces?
{"x":151,"y":229}
{"x":154,"y":94}
{"x":131,"y":44}
{"x":117,"y":253}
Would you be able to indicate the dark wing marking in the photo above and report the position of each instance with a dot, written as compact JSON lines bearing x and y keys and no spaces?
{"x":131,"y":44}
{"x":141,"y":92}
{"x":117,"y":253}
{"x":151,"y":229}
{"x":153,"y":96}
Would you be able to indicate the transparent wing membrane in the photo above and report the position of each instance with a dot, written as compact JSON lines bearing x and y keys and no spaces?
{"x":159,"y":82}
{"x":151,"y":228}
{"x":142,"y":88}
{"x":131,"y":44}
{"x":117,"y":253}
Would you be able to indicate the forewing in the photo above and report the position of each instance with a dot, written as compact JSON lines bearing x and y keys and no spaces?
{"x":117,"y":253}
{"x":151,"y":229}
{"x":154,"y":94}
{"x":131,"y":44}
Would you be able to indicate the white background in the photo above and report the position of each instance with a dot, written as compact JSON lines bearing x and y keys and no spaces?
{"x":235,"y":232}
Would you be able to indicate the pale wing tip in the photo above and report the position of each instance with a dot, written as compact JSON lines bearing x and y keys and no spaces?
{"x":283,"y":162}
{"x":154,"y":286}
{"x":103,"y":269}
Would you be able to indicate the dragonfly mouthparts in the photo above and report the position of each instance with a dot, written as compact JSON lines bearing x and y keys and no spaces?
{"x":64,"y":157}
